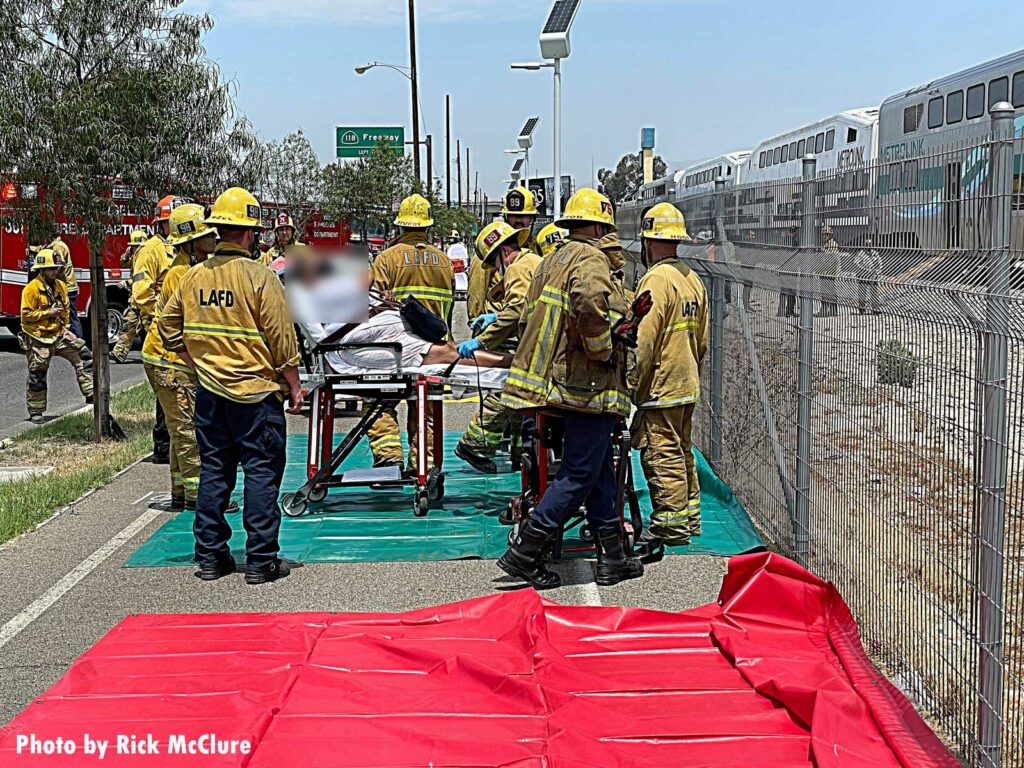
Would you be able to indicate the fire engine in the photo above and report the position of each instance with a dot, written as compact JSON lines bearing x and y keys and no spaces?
{"x":319,"y":231}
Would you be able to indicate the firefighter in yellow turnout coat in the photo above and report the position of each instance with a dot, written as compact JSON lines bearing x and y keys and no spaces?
{"x":410,"y":266}
{"x":567,"y":362}
{"x":665,"y":381}
{"x":228,"y":320}
{"x":284,"y":238}
{"x":172,"y":380}
{"x":497,"y":244}
{"x":45,"y":333}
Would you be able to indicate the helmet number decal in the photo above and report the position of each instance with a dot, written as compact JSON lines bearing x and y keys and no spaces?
{"x":253,"y":211}
{"x":516,"y":201}
{"x":606,"y":208}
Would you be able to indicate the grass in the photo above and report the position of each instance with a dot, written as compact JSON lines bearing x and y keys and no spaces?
{"x":79,"y":463}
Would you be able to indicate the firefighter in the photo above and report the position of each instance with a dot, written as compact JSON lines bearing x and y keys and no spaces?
{"x":498,"y":246}
{"x":550,"y":238}
{"x":665,"y":379}
{"x":520,"y":211}
{"x":45,"y":333}
{"x":130,"y":317}
{"x":410,"y":266}
{"x":67,"y":276}
{"x":172,"y":380}
{"x":148,"y":269}
{"x":567,"y":362}
{"x":228,"y":321}
{"x":284,"y":237}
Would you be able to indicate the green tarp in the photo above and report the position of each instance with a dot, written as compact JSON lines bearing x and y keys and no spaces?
{"x":357,"y":525}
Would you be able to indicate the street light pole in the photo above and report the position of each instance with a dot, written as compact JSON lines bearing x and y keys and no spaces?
{"x":558,"y":138}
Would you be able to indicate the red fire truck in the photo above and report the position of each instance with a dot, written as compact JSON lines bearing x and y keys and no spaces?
{"x":319,"y":232}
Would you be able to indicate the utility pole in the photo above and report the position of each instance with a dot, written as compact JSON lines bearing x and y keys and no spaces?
{"x":476,"y":190}
{"x":448,"y":148}
{"x":467,"y":175}
{"x":430,"y":164}
{"x":415,"y":89}
{"x":458,"y":167}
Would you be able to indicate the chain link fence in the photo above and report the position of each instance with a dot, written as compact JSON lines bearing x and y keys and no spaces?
{"x":863,"y":397}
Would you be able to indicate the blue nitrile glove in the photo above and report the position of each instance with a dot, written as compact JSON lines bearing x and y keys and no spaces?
{"x":468,"y":348}
{"x":482,"y":321}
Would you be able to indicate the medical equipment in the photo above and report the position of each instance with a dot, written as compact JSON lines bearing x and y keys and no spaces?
{"x":422,"y":388}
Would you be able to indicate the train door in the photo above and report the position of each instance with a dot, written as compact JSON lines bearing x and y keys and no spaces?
{"x":953,"y":205}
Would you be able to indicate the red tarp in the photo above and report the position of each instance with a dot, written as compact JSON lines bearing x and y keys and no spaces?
{"x":772,"y":675}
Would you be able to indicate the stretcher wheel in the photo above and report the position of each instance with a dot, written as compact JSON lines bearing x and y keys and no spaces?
{"x":317,"y":493}
{"x":435,"y":488}
{"x":586,"y":534}
{"x":294,"y":505}
{"x":421,"y":505}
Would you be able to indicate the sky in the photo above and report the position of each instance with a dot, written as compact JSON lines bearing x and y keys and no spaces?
{"x":711,"y":76}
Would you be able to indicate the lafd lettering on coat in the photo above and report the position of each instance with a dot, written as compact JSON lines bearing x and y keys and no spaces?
{"x":421,"y":259}
{"x":217,"y":298}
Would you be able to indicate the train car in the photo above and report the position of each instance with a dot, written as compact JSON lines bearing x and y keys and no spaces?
{"x":629,"y":212}
{"x":695,"y":186}
{"x":933,"y":163}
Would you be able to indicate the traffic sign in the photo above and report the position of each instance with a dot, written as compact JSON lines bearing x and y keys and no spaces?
{"x":359,"y":141}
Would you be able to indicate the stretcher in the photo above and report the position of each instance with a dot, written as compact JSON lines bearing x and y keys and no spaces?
{"x":424,"y":389}
{"x":543,"y":434}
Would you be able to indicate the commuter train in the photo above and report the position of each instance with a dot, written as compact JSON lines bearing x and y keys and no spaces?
{"x":881,"y":170}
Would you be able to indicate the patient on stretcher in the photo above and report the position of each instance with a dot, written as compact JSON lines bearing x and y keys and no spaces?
{"x":388,"y":326}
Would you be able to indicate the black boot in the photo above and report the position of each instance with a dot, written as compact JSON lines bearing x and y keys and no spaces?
{"x":612,"y":564}
{"x":525,"y":558}
{"x":476,"y":459}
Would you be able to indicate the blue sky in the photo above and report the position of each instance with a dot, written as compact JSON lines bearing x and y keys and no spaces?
{"x":710,"y":75}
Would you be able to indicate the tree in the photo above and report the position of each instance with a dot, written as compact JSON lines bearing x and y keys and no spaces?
{"x":628,"y":176}
{"x":463,"y":220}
{"x":366,"y":192}
{"x":102,"y":92}
{"x":294,"y":177}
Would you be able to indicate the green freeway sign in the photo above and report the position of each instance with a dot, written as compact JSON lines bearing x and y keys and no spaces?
{"x":357,"y":142}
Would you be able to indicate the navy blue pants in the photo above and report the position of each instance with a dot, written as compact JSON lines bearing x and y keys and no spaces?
{"x":74,"y":321}
{"x":229,"y":434}
{"x":587,"y":475}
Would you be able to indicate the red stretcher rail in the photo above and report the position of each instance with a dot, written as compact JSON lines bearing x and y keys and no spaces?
{"x":772,"y":675}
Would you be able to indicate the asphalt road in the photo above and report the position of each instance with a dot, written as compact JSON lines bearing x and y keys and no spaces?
{"x":63,"y":396}
{"x":64,"y":585}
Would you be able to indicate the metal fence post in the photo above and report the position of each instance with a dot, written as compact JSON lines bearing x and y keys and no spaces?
{"x":805,"y":356}
{"x":993,"y":447}
{"x":717,"y":327}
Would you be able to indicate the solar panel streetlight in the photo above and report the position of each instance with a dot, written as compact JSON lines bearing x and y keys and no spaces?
{"x":554,"y":44}
{"x":526,"y":155}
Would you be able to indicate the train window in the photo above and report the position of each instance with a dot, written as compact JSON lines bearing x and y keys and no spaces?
{"x":851,"y":135}
{"x":785,"y":153}
{"x":1018,"y":89}
{"x":935,"y":112}
{"x":954,"y":107}
{"x":810,"y":145}
{"x":728,"y":171}
{"x":819,"y":143}
{"x":830,"y":140}
{"x":777,"y":156}
{"x":998,"y":90}
{"x":760,"y":162}
{"x":792,"y":151}
{"x":975,"y":101}
{"x":912,"y":118}
{"x":800,"y":148}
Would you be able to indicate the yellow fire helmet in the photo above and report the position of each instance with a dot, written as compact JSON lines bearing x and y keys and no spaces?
{"x":414,"y":213}
{"x":519,"y":201}
{"x":549,"y":238}
{"x":188,"y":222}
{"x":137,"y":238}
{"x":492,"y":237}
{"x":664,"y":222}
{"x":236,"y":208}
{"x":587,"y":206}
{"x":283,"y":220}
{"x":46,"y":258}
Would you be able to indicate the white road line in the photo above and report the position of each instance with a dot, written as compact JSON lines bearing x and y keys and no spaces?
{"x":142,"y":498}
{"x":39,"y":606}
{"x":584,"y":575}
